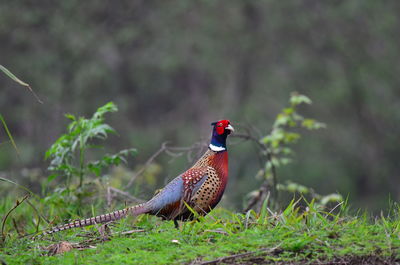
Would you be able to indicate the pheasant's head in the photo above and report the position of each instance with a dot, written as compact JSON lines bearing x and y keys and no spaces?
{"x":221,"y":129}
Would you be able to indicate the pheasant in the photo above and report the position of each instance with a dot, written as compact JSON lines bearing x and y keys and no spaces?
{"x":200,"y":187}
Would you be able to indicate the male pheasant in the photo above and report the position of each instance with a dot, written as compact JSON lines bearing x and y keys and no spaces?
{"x":201,"y":187}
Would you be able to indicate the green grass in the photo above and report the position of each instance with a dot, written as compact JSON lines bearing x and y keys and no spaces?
{"x":296,"y":234}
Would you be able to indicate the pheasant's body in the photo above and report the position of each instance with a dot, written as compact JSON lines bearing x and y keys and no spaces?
{"x":201,"y":187}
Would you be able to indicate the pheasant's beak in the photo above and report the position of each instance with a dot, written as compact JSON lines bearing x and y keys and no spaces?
{"x":230,"y":128}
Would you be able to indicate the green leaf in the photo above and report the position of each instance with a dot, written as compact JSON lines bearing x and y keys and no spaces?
{"x":95,"y":168}
{"x":290,"y":137}
{"x":282,"y":120}
{"x":295,"y":187}
{"x":70,"y":116}
{"x":297,"y":99}
{"x":109,"y":107}
{"x":288,"y":111}
{"x":312,"y":124}
{"x":335,"y":197}
{"x":51,"y":178}
{"x":285,"y":160}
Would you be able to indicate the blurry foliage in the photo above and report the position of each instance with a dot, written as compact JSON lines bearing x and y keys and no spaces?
{"x":277,"y":142}
{"x":69,"y":160}
{"x":276,"y":152}
{"x":175,"y":66}
{"x":296,"y":188}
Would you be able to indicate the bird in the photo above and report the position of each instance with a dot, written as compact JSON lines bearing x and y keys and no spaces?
{"x":199,"y":189}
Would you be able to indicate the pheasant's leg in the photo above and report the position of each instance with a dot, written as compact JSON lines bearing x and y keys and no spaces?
{"x":176,"y":224}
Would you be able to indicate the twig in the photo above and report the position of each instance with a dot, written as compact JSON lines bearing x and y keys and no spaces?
{"x":109,"y":197}
{"x":131,"y":232}
{"x":18,"y":203}
{"x":217,"y":231}
{"x":40,"y":216}
{"x":170,"y":150}
{"x":16,"y":226}
{"x":274,"y":178}
{"x":334,"y":208}
{"x":265,"y":185}
{"x":250,"y":137}
{"x":125,"y":194}
{"x":3,"y":178}
{"x":263,"y":190}
{"x":148,"y":162}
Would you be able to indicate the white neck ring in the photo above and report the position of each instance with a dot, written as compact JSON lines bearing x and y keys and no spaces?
{"x":216,"y":148}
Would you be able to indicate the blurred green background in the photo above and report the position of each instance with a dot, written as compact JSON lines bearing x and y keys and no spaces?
{"x":172,"y":67}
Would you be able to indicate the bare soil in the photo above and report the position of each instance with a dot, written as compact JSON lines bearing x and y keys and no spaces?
{"x":346,"y":260}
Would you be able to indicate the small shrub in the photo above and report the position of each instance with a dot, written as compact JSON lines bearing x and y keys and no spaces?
{"x":68,"y":157}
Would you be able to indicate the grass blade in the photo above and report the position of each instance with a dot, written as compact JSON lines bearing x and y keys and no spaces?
{"x":19,"y":81}
{"x":20,"y":186}
{"x":8,"y":133}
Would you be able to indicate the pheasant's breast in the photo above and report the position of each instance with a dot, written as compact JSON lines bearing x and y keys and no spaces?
{"x":204,"y":199}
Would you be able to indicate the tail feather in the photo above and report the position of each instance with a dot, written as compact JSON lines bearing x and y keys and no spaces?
{"x":100,"y":219}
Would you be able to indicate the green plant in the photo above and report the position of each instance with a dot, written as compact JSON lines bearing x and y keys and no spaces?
{"x":277,"y":142}
{"x":323,"y":200}
{"x":275,"y":152}
{"x":69,"y":152}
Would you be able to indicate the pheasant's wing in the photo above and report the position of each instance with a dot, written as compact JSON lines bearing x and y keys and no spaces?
{"x":170,"y":195}
{"x":169,"y":201}
{"x":193,"y":179}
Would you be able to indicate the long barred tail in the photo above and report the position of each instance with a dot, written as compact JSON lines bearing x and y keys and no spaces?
{"x":100,"y":219}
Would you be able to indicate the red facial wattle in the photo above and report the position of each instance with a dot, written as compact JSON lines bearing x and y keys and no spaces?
{"x":221,"y":125}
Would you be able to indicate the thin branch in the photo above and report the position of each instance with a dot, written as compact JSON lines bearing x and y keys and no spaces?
{"x":171,"y":151}
{"x":274,"y":178}
{"x":37,"y":212}
{"x":261,"y":191}
{"x":130,"y":232}
{"x":268,"y":156}
{"x":39,"y":216}
{"x":18,"y":203}
{"x":16,"y":226}
{"x":252,"y":138}
{"x":125,"y":194}
{"x":334,"y":208}
{"x":146,"y":165}
{"x":109,"y":197}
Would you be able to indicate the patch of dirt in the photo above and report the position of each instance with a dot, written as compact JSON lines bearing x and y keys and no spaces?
{"x":264,"y":259}
{"x":59,"y":248}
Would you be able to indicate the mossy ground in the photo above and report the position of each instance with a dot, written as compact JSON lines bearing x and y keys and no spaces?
{"x":295,"y":235}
